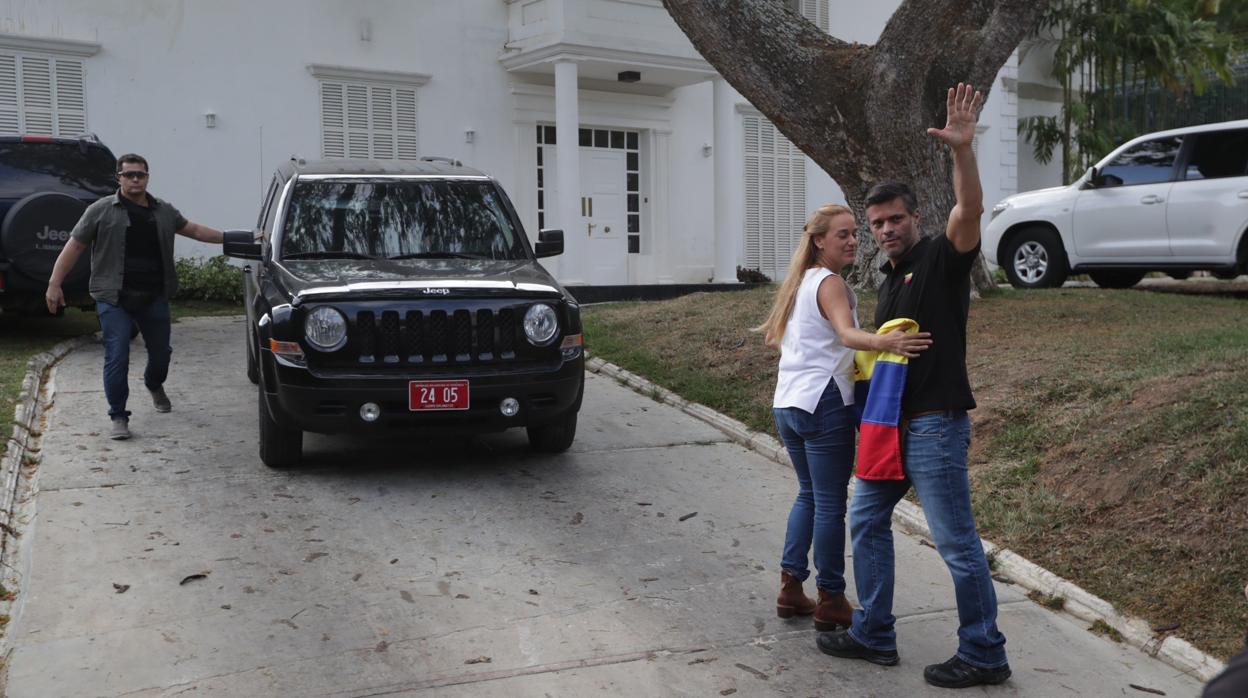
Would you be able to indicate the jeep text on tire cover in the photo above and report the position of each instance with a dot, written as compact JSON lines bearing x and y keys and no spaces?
{"x":386,"y":298}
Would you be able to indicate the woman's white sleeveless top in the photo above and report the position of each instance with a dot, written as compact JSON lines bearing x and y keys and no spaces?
{"x":811,"y":353}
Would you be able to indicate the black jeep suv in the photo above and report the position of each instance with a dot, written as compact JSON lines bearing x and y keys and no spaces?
{"x":45,"y":185}
{"x":386,"y":295}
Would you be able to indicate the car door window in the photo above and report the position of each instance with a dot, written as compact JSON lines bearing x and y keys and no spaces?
{"x":1218,"y":154}
{"x":267,"y":208}
{"x":1144,"y":163}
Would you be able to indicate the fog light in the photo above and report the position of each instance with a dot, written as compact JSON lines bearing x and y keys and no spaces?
{"x":509,"y":406}
{"x":370,"y":411}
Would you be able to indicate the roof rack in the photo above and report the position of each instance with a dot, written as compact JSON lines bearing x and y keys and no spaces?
{"x":438,"y":158}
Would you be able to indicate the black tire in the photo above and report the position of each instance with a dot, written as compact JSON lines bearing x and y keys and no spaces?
{"x":34,"y":231}
{"x":556,"y":437}
{"x":280,"y":447}
{"x":253,"y":362}
{"x":1226,"y":274}
{"x":1116,"y":278}
{"x":1180,"y":275}
{"x":1035,"y":258}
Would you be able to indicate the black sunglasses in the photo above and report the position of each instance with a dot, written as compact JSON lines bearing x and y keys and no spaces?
{"x":133,"y":174}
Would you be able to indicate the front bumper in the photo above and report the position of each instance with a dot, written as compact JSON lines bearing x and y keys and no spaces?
{"x":298,"y":398}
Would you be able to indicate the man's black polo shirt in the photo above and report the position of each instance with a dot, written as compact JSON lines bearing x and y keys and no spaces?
{"x":931,"y":284}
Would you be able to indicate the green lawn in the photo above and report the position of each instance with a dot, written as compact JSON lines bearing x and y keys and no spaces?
{"x":1111,"y":439}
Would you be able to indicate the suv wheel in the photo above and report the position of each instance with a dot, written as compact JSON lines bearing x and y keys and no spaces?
{"x":555,"y":437}
{"x":1035,"y":259}
{"x":253,"y":362}
{"x":1226,"y":274}
{"x":280,"y":447}
{"x":1116,"y":278}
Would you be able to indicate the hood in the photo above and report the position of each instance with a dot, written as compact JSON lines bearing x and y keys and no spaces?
{"x":1045,"y":195}
{"x":448,"y":278}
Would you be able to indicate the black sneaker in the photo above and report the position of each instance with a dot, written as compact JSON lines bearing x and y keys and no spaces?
{"x":160,"y":400}
{"x":956,"y":673}
{"x":841,"y":644}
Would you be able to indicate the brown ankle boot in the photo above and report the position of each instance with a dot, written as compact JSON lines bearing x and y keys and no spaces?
{"x":791,"y":600}
{"x":833,"y":612}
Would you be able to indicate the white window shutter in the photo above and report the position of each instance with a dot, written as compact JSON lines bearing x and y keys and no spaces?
{"x":10,"y":113}
{"x":333,"y":121}
{"x":775,"y":197}
{"x":817,"y":12}
{"x":36,"y":95}
{"x":405,"y":123}
{"x":71,"y":103}
{"x":368,"y":119}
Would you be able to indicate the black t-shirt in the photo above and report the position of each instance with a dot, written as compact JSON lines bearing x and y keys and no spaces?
{"x":144,"y":270}
{"x":931,"y":284}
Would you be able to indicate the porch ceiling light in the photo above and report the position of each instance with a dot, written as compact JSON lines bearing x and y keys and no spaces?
{"x":628,"y":76}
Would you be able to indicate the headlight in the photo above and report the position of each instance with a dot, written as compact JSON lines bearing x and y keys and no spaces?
{"x":325,"y":328}
{"x":1001,"y":206}
{"x":541,"y":324}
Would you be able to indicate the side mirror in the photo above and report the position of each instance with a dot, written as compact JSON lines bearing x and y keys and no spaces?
{"x":240,"y":244}
{"x":549,"y":243}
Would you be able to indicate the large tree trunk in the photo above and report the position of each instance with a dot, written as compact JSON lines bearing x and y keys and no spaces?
{"x":861,"y":112}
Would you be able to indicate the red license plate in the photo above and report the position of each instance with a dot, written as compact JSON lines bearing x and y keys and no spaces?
{"x":437,"y":395}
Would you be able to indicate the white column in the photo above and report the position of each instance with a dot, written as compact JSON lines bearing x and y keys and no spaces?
{"x":568,"y":170}
{"x":726,"y":237}
{"x":660,"y":225}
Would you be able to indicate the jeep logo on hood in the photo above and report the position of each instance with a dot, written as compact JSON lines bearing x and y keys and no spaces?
{"x":437,"y":291}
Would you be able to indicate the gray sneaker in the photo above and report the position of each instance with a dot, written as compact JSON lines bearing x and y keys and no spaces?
{"x":160,"y":400}
{"x":121,"y":429}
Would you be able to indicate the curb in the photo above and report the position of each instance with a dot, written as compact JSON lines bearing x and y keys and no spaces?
{"x":1172,"y":650}
{"x":22,"y":445}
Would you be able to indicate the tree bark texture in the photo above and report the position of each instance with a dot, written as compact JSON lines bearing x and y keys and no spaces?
{"x":861,"y":112}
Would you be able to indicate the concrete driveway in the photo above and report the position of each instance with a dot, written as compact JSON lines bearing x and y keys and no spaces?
{"x":641,"y":563}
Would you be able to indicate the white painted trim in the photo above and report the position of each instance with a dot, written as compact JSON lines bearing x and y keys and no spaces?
{"x":536,"y":103}
{"x":43,"y":44}
{"x":564,"y":50}
{"x":390,"y":77}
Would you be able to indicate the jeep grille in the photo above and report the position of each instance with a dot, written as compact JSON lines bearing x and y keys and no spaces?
{"x":432,"y":337}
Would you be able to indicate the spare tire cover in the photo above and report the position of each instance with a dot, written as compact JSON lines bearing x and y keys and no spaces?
{"x":36,"y":229}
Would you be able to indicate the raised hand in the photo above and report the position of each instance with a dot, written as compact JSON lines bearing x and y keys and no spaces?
{"x":963,"y":108}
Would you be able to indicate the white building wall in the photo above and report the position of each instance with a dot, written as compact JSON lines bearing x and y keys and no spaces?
{"x":692,"y":243}
{"x":163,"y":64}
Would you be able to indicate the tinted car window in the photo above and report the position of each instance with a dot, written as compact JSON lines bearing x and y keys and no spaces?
{"x":32,"y":167}
{"x":1145,"y":163}
{"x":1218,"y":154}
{"x":399,"y":218}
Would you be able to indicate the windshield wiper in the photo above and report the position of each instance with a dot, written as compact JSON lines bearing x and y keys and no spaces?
{"x":328,"y":254}
{"x":438,"y":255}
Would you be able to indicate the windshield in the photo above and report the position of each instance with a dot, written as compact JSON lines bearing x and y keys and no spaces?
{"x":399,"y":219}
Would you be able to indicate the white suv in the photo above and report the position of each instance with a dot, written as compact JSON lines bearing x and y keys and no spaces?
{"x":1174,"y":201}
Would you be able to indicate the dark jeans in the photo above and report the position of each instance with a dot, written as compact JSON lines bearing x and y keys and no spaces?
{"x":154,"y":324}
{"x":821,"y":446}
{"x":935,"y":462}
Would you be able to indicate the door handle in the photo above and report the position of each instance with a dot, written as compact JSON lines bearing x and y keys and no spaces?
{"x":1243,"y":195}
{"x":606,"y":229}
{"x":589,"y":228}
{"x":1151,"y":199}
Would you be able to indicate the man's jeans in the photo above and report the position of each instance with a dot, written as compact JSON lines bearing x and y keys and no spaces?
{"x":935,"y":462}
{"x":154,"y":325}
{"x":821,"y":446}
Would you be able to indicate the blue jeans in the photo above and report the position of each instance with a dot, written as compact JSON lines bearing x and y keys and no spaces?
{"x":934,"y":453}
{"x":155,"y":326}
{"x":821,"y":446}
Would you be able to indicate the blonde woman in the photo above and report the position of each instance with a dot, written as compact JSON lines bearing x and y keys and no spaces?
{"x":814,"y":323}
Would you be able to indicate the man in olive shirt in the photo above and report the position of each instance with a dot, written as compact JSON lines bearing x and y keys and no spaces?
{"x":928,"y":279}
{"x":130,"y":235}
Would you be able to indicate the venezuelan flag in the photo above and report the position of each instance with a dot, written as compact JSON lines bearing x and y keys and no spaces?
{"x":879,"y":380}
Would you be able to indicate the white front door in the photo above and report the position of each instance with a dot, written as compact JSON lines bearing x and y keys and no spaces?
{"x":603,"y":218}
